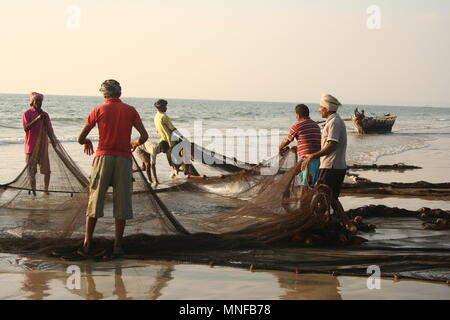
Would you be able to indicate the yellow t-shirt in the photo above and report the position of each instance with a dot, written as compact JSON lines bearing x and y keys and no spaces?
{"x":164,"y":127}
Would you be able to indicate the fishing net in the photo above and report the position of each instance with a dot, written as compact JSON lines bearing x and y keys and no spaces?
{"x":34,"y":208}
{"x":190,"y":224}
{"x":245,"y":182}
{"x":30,"y":208}
{"x":284,"y":211}
{"x":194,"y":160}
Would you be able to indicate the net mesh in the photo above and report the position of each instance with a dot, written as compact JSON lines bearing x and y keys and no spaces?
{"x":246,"y":183}
{"x":33,"y":209}
{"x":237,"y":212}
{"x":29,"y":208}
{"x":275,"y":209}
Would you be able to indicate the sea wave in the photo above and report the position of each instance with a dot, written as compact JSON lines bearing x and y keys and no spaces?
{"x":7,"y":141}
{"x":21,"y":140}
{"x":155,"y":137}
{"x":371,"y":157}
{"x":11,"y":141}
{"x":68,"y":119}
{"x":10,"y":127}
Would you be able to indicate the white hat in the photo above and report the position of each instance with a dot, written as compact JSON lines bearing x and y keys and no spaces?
{"x":329,"y":102}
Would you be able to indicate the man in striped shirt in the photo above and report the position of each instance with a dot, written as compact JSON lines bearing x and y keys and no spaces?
{"x":307,"y":133}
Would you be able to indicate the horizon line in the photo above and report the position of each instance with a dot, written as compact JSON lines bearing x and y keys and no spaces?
{"x":238,"y":100}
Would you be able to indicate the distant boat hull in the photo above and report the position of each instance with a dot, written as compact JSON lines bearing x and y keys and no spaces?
{"x":374,"y":124}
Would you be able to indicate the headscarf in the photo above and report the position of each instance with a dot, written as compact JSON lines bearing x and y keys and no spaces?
{"x":34,"y":96}
{"x":329,"y":102}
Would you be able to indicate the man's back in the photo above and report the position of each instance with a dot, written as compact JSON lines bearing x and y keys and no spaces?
{"x":115,"y":121}
{"x":307,"y":133}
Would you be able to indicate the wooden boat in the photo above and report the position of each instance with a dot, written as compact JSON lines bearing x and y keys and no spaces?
{"x":380,"y":124}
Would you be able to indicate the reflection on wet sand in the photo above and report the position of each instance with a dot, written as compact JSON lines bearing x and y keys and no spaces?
{"x":163,"y":278}
{"x":307,"y":286}
{"x":35,"y":284}
{"x":29,"y":278}
{"x":90,"y":277}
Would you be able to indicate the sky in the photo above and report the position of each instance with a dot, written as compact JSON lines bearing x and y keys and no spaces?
{"x":260,"y":50}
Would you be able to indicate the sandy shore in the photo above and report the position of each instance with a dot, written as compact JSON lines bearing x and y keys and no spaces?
{"x":433,"y":158}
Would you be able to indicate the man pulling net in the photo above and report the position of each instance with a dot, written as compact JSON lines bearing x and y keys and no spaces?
{"x":112,"y":165}
{"x":33,"y":121}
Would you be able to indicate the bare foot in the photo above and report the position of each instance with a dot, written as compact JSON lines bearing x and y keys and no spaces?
{"x":118,"y":251}
{"x":83,"y":251}
{"x":173,"y":173}
{"x":351,"y":228}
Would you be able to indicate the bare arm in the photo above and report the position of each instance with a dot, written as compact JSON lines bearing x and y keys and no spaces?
{"x":284,"y":143}
{"x":143,"y":136}
{"x":289,"y":138}
{"x":174,"y":133}
{"x":32,"y":123}
{"x":330,"y":147}
{"x":88,"y":148}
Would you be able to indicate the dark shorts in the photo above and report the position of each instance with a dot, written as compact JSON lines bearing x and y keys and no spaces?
{"x":334,"y":178}
{"x":164,"y":146}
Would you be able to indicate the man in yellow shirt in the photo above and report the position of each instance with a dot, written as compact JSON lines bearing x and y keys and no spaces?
{"x":165,"y":129}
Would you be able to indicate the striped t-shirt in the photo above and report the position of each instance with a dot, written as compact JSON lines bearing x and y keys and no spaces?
{"x":307,"y":133}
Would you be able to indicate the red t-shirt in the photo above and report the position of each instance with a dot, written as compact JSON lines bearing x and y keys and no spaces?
{"x":115,"y":121}
{"x":307,"y":133}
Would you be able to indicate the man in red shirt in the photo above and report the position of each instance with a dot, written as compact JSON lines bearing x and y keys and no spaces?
{"x":32,"y":125}
{"x":307,"y":133}
{"x":112,"y":165}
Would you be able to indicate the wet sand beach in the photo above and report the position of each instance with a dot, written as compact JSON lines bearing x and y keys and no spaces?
{"x":36,"y":278}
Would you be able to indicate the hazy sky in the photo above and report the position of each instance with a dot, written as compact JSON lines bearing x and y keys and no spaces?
{"x":264,"y":50}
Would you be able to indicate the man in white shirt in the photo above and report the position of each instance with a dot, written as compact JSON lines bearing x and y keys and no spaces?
{"x":334,"y":147}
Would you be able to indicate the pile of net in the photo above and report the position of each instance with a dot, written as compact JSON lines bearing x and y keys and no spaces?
{"x":275,"y":210}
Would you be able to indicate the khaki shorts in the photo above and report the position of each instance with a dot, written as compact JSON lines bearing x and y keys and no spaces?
{"x":43,"y":161}
{"x":115,"y":171}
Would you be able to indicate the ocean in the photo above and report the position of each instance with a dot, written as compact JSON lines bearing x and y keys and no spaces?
{"x":414,"y":129}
